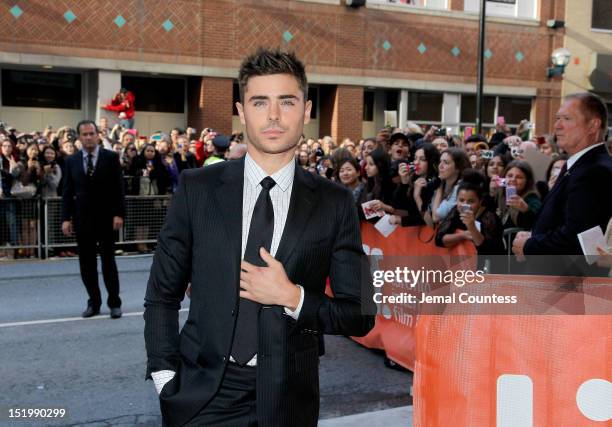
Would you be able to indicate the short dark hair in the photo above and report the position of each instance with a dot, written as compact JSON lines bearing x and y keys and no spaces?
{"x":594,"y":108}
{"x":86,"y":122}
{"x":265,"y":62}
{"x":473,"y":180}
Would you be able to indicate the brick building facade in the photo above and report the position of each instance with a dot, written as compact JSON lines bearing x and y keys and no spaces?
{"x":418,"y":61}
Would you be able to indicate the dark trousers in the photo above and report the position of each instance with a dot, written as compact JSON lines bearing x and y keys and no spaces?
{"x":234,"y":404}
{"x":89,"y":242}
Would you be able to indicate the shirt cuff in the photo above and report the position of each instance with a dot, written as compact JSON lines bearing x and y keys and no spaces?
{"x":295,"y":314}
{"x":160,"y":378}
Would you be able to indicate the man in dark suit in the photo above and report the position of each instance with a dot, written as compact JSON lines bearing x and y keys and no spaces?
{"x":582,"y":196}
{"x":93,"y":201}
{"x":257,"y":238}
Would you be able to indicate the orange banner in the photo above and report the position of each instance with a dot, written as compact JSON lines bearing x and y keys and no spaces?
{"x":513,"y":371}
{"x":497,"y":370}
{"x":394,"y":330}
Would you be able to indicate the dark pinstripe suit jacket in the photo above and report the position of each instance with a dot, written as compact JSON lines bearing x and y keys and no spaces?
{"x":200,"y":243}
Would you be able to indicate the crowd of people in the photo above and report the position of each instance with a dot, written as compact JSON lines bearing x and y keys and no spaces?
{"x":479,"y":185}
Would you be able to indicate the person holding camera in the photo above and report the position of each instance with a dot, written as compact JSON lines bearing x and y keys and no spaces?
{"x":51,"y":172}
{"x":518,"y":202}
{"x":419,"y":181}
{"x":470,"y":220}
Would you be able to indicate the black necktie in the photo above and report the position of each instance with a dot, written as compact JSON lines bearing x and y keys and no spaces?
{"x":261,"y":229}
{"x":90,"y":166}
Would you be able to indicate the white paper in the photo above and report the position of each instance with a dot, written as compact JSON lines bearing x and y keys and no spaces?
{"x":477,"y":224}
{"x":384,"y":226}
{"x":589,"y":240}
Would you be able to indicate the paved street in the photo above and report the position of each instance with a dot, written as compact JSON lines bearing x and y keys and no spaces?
{"x":95,"y":368}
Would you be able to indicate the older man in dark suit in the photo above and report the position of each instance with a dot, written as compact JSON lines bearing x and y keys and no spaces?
{"x":257,"y":238}
{"x":582,"y":196}
{"x":93,"y":202}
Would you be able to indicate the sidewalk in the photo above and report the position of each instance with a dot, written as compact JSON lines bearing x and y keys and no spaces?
{"x":395,"y":417}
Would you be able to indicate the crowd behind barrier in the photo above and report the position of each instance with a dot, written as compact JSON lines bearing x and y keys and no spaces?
{"x":482,"y":188}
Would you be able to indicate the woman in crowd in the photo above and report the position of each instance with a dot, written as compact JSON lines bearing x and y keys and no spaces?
{"x":152,"y":179}
{"x":469,"y":220}
{"x":51,"y":172}
{"x":552,"y":173}
{"x":547,"y":145}
{"x":453,"y":162}
{"x":10,"y":172}
{"x":379,"y":186}
{"x":369,"y":145}
{"x":130,"y":168}
{"x":518,"y":202}
{"x":302,"y":159}
{"x":347,"y":173}
{"x":495,"y":169}
{"x":419,"y":181}
{"x":31,"y":179}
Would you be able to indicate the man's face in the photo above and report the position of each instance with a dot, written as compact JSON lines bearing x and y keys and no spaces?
{"x":573,"y":130}
{"x":274,"y":113}
{"x":88,"y":137}
{"x":103,"y":123}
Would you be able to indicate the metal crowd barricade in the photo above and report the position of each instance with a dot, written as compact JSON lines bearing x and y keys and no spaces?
{"x":144,"y":217}
{"x":20,"y":226}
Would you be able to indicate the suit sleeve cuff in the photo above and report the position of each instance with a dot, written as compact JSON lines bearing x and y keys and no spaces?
{"x":295,"y":314}
{"x":160,"y":378}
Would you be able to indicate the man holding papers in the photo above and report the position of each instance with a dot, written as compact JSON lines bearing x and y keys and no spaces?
{"x":582,"y":196}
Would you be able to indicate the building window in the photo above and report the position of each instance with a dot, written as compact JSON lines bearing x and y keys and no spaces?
{"x":602,"y":15}
{"x":426,"y":4}
{"x":513,"y":110}
{"x":368,"y":106}
{"x":156,"y":94}
{"x":425,"y":106}
{"x":468,"y":109}
{"x":41,"y":89}
{"x":505,"y":8}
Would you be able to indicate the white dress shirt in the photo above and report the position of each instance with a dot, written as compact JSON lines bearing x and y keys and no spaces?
{"x":280,"y":195}
{"x":94,"y":158}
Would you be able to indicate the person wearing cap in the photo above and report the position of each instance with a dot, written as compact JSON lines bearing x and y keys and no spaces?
{"x":221,"y":143}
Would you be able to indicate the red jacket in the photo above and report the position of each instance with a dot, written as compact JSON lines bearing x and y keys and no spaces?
{"x":123,"y":105}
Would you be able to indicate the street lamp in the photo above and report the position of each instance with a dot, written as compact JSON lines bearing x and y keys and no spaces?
{"x":559,"y":58}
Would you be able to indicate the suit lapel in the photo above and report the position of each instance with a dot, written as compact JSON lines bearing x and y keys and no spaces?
{"x":301,"y":206}
{"x":79,"y":165}
{"x":229,"y":198}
